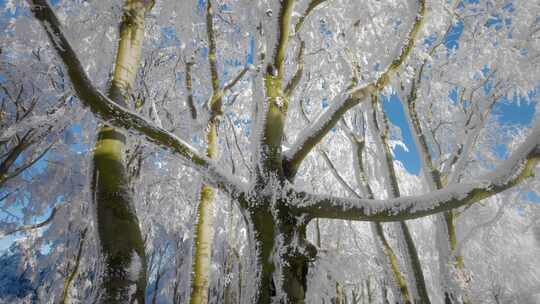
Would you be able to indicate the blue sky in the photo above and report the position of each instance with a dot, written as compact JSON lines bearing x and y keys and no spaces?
{"x":516,"y":112}
{"x":507,"y":112}
{"x":520,"y":114}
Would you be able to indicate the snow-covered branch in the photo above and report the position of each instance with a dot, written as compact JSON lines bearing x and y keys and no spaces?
{"x":518,"y":167}
{"x":313,"y":4}
{"x":297,"y":76}
{"x":312,"y":135}
{"x":111,"y":113}
{"x":34,"y":226}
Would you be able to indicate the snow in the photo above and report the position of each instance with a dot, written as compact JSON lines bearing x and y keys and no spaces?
{"x":57,"y":41}
{"x":33,"y":122}
{"x":135,"y":267}
{"x":317,"y":126}
{"x":448,"y":198}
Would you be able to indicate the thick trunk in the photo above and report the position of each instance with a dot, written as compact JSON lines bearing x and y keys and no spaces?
{"x":293,"y":266}
{"x":124,"y":275}
{"x":264,"y":233}
{"x":282,"y":257}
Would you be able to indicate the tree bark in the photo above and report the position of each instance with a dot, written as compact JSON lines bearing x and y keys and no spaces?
{"x":204,"y":234}
{"x":124,"y":275}
{"x":263,"y":234}
{"x":203,"y":246}
{"x":282,"y":255}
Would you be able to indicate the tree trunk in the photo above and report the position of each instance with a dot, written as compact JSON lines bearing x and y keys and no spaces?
{"x":450,"y":264}
{"x":398,"y":281}
{"x":263,"y":234}
{"x":204,"y":234}
{"x":202,"y":257}
{"x":282,"y":256}
{"x":385,"y":254}
{"x":124,"y":275}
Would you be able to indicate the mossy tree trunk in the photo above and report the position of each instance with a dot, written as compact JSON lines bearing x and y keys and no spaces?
{"x":124,"y":261}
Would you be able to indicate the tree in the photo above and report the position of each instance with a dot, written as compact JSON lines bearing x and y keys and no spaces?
{"x":124,"y":277}
{"x":269,"y":194}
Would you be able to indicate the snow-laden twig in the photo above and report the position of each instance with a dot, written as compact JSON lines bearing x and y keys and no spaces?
{"x":34,"y":226}
{"x":479,"y":227}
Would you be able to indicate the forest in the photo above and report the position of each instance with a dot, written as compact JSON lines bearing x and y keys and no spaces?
{"x":270,"y":151}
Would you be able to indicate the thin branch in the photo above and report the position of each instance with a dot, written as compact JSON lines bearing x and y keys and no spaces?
{"x":189,"y":88}
{"x":295,"y":80}
{"x":27,"y":165}
{"x":235,"y":136}
{"x":313,"y":4}
{"x":228,"y":86}
{"x":231,"y":158}
{"x":22,"y":144}
{"x":336,"y":174}
{"x":35,"y":226}
{"x":73,"y":273}
{"x":7,"y":195}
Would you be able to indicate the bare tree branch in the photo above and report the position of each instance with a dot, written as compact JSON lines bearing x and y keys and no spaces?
{"x":6,"y":164}
{"x":73,"y":273}
{"x":189,"y":88}
{"x":338,"y":176}
{"x":27,"y":165}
